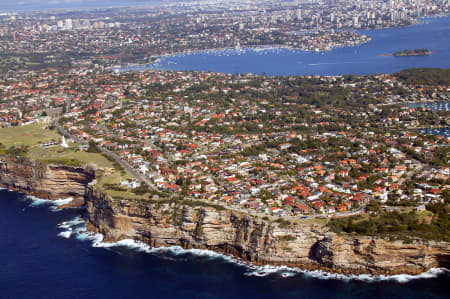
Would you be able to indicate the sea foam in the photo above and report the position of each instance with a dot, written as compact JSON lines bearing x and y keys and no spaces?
{"x":77,"y":228}
{"x":55,"y":204}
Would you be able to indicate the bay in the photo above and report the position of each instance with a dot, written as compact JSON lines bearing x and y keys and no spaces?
{"x":431,"y":33}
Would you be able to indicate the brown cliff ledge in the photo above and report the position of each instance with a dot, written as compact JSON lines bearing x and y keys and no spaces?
{"x":260,"y":242}
{"x":38,"y":179}
{"x":169,"y":223}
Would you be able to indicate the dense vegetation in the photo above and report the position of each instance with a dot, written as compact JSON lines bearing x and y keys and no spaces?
{"x":65,"y":161}
{"x":425,"y":76}
{"x":399,"y":225}
{"x":13,"y":151}
{"x":412,"y":52}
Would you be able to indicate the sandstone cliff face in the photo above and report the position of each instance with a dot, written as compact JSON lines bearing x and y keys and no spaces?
{"x":45,"y":181}
{"x":256,"y":240}
{"x":252,"y":239}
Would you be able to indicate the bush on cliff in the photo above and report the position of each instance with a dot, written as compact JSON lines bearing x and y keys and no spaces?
{"x":65,"y":162}
{"x":399,"y":225}
{"x":14,"y":151}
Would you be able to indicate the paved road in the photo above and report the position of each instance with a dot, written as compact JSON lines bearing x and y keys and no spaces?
{"x":125,"y":165}
{"x":131,"y":170}
{"x":139,"y":177}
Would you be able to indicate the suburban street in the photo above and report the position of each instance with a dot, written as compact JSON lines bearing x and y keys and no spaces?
{"x":127,"y":167}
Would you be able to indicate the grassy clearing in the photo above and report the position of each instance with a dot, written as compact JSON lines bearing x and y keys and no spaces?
{"x":29,"y":135}
{"x":35,"y":134}
{"x":56,"y":153}
{"x":107,"y":173}
{"x":113,"y":178}
{"x":319,"y":221}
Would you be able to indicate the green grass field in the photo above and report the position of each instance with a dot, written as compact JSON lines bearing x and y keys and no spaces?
{"x":35,"y":134}
{"x":29,"y":135}
{"x":55,"y":153}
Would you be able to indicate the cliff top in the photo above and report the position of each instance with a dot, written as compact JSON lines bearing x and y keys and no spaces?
{"x":39,"y":143}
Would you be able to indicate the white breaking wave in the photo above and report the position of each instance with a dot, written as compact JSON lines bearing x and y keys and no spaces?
{"x":36,"y":201}
{"x":65,"y":234}
{"x":284,"y":271}
{"x":77,"y":228}
{"x":60,"y":202}
{"x":70,"y":227}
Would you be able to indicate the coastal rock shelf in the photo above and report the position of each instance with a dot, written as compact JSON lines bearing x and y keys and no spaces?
{"x":259,"y":241}
{"x":170,"y":222}
{"x":45,"y":181}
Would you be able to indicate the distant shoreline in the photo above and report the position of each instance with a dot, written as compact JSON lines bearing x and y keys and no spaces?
{"x":211,"y":50}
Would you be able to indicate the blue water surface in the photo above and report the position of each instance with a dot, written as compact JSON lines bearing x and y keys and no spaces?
{"x":434,"y":106}
{"x":431,"y":33}
{"x":37,"y":263}
{"x":45,"y":5}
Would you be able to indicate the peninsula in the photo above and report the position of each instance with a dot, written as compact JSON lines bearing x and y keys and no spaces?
{"x":351,"y":187}
{"x":316,"y":172}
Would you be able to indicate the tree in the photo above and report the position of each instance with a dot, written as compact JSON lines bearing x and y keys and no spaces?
{"x":93,"y":148}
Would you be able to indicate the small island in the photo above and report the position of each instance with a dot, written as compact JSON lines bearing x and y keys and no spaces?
{"x":416,"y":52}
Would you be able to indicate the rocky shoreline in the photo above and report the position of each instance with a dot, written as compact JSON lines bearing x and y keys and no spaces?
{"x":261,"y":242}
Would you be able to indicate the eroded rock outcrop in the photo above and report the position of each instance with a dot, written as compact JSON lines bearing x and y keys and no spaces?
{"x":256,"y":240}
{"x":45,"y":181}
{"x":190,"y":225}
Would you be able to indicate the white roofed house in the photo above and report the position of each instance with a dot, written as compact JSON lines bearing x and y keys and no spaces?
{"x":143,"y":168}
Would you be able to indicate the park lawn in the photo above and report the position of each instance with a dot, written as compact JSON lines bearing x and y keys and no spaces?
{"x":320,"y":221}
{"x":128,"y":195}
{"x":57,"y":152}
{"x":35,"y":134}
{"x":314,"y":220}
{"x":105,"y":169}
{"x":29,"y":135}
{"x":106,"y":172}
{"x":114,"y":178}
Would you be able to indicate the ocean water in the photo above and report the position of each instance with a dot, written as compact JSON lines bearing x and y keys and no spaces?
{"x":432,"y":33}
{"x":45,"y":254}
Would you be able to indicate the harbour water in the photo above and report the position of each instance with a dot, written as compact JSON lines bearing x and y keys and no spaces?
{"x":431,"y":33}
{"x":45,"y":254}
{"x":439,"y":132}
{"x":434,"y":106}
